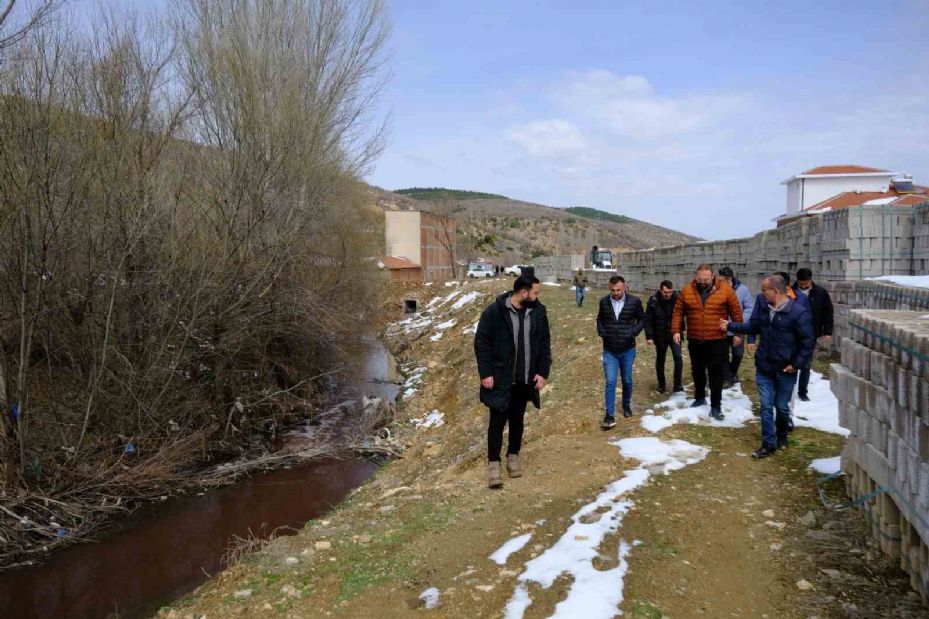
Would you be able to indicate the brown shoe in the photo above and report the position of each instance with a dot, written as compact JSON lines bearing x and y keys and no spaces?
{"x":493,"y":475}
{"x":512,"y":465}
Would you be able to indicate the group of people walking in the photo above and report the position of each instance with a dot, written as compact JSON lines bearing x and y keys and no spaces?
{"x":715,"y":312}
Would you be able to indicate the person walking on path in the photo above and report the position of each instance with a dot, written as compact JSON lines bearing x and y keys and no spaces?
{"x":821,"y":314}
{"x":619,"y":320}
{"x":786,"y":330}
{"x":580,"y":286}
{"x":512,"y":345}
{"x":658,"y":313}
{"x":703,"y":303}
{"x":736,"y":353}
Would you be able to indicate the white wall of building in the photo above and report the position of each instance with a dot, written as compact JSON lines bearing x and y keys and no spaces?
{"x":805,"y":192}
{"x":793,"y":197}
{"x":402,"y":234}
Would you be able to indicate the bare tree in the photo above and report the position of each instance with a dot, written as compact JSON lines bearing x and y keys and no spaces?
{"x":447,"y":233}
{"x":185,"y":234}
{"x":16,"y":24}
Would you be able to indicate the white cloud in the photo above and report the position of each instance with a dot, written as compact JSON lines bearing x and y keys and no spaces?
{"x":548,"y":138}
{"x":628,"y":105}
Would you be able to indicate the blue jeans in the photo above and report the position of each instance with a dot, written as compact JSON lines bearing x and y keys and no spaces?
{"x":613,"y":364}
{"x":579,"y":295}
{"x":775,"y":390}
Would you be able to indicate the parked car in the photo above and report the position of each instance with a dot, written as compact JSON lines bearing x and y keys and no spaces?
{"x":515,"y":270}
{"x":480,"y":269}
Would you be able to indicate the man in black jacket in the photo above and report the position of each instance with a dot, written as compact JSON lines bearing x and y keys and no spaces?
{"x":514,"y":356}
{"x":619,"y":320}
{"x":821,"y":310}
{"x":658,"y":313}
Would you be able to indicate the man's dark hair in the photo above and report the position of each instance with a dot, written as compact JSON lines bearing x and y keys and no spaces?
{"x":804,"y":275}
{"x":525,"y":282}
{"x":666,"y":284}
{"x":727,"y":272}
{"x":616,"y":279}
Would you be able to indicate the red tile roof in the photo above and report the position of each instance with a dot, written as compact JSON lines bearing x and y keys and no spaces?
{"x":855,"y":198}
{"x":841,"y":169}
{"x":393,"y":262}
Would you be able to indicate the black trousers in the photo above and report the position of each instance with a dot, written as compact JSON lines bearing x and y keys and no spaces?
{"x":661,"y":353}
{"x":709,"y":357}
{"x":734,"y":358}
{"x":519,"y":397}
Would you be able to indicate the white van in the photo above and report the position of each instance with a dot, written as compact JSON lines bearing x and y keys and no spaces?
{"x":480,"y":269}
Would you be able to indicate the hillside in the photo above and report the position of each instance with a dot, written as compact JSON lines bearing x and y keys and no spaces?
{"x":513,"y":231}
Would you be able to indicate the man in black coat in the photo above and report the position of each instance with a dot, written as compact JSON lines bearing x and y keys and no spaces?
{"x":619,"y":320}
{"x":821,"y":310}
{"x":512,"y":345}
{"x":658,"y":313}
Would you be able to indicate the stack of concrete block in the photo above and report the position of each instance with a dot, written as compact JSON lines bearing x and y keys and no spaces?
{"x":843,"y":245}
{"x":554,"y":268}
{"x":850,"y":295}
{"x":882,"y":385}
{"x":921,"y":240}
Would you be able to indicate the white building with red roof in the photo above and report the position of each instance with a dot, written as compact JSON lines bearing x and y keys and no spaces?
{"x":826,"y":188}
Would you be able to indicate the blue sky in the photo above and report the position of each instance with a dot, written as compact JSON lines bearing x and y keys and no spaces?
{"x":684,"y":114}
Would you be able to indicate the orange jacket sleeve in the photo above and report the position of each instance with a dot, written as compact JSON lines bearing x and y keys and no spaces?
{"x":677,"y":316}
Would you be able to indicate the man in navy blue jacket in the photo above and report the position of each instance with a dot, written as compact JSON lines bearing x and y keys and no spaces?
{"x":787,"y":342}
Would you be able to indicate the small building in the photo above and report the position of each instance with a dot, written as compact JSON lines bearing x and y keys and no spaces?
{"x":827,"y":188}
{"x":421,"y":239}
{"x":822,"y":182}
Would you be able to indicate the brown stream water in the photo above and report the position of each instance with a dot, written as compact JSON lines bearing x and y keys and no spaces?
{"x":164,"y":550}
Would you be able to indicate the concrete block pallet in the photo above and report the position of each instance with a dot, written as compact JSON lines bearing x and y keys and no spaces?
{"x":882,"y":385}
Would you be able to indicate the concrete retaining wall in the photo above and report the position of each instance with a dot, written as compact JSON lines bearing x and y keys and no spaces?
{"x":882,"y":385}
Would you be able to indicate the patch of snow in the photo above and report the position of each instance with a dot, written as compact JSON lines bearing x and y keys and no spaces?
{"x":598,"y":593}
{"x":430,"y":597}
{"x":440,"y":300}
{"x":412,"y":324}
{"x":551,"y":284}
{"x":470,"y":330}
{"x":737,"y":407}
{"x":915,"y":281}
{"x":827,"y":466}
{"x":501,"y":554}
{"x":573,"y":288}
{"x":464,"y":300}
{"x":435,"y":419}
{"x":822,"y":411}
{"x":880,"y":201}
{"x":448,"y":324}
{"x":437,"y":336}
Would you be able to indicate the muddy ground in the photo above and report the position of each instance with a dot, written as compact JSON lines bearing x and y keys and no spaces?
{"x":428,"y":520}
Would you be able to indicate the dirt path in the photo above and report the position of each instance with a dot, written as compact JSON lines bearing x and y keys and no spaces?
{"x":703,"y":547}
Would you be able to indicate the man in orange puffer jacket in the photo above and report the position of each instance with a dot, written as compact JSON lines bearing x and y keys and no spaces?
{"x":704,"y":301}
